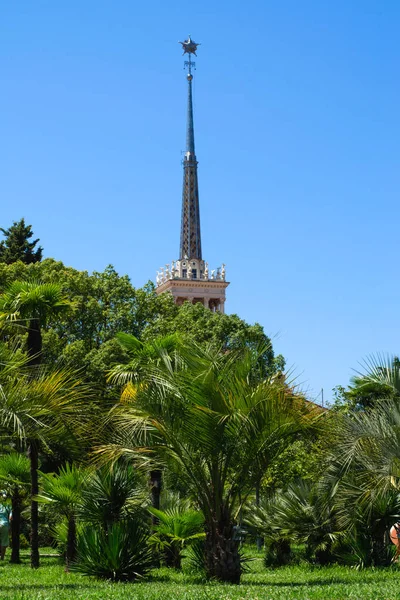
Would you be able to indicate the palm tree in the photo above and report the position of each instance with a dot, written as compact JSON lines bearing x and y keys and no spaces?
{"x":112,"y":495}
{"x":380,"y":379}
{"x":64,"y":492}
{"x":114,"y":531}
{"x":205,"y":411}
{"x":364,"y":478}
{"x":176,"y":529}
{"x":142,"y":355}
{"x":37,"y":411}
{"x":363,"y":473}
{"x":15,"y":479}
{"x":28,"y":305}
{"x":302,"y":514}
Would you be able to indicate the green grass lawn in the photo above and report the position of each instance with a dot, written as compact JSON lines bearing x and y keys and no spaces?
{"x":50,"y":582}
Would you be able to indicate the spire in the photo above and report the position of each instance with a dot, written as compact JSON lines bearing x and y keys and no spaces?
{"x":190,"y":243}
{"x":189,"y":278}
{"x":189,"y":119}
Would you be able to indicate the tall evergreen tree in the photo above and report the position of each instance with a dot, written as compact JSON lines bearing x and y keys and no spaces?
{"x":16,"y":245}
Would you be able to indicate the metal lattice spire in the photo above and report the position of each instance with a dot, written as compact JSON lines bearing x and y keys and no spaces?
{"x":190,"y":243}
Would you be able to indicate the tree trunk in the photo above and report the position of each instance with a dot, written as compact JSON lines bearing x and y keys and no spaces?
{"x":34,"y":343}
{"x":173,"y":556}
{"x":324,"y":557}
{"x":15,"y":527}
{"x":259,"y":539}
{"x":222,"y":553}
{"x":71,"y":542}
{"x":155,"y":490}
{"x":33,"y":456}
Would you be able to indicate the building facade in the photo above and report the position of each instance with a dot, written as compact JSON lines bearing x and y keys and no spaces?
{"x":189,"y":278}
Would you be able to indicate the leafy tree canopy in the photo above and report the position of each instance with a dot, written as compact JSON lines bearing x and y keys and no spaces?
{"x":228,"y":332}
{"x":366,"y":390}
{"x":106,"y":303}
{"x":17,"y":245}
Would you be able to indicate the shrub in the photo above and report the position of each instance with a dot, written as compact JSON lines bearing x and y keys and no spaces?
{"x":278,"y":553}
{"x":23,"y":542}
{"x":197,"y":557}
{"x":121,"y":553}
{"x":177,"y":528}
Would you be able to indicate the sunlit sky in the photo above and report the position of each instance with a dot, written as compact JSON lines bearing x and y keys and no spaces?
{"x":297,"y":137}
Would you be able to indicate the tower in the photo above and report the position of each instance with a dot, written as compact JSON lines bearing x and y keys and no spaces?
{"x":189,"y":278}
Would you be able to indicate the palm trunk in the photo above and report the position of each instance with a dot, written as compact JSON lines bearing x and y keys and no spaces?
{"x":155,"y":490}
{"x":15,"y":527}
{"x":33,"y":456}
{"x":173,"y":556}
{"x":259,"y":538}
{"x":222,"y":552}
{"x":34,"y":343}
{"x":71,"y":542}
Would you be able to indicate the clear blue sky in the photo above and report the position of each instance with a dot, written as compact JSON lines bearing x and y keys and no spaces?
{"x":297,"y":137}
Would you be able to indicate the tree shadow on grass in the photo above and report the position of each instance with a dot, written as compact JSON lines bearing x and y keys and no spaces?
{"x":20,"y":587}
{"x":199,"y":580}
{"x":316,"y":583}
{"x":188,"y":579}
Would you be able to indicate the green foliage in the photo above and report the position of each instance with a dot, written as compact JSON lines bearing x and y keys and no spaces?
{"x":63,"y":490}
{"x":121,"y":553}
{"x":105,"y":304}
{"x":37,"y":408}
{"x":364,"y":481}
{"x":176,"y":529}
{"x":29,"y":305}
{"x":15,"y":473}
{"x":228,"y":332}
{"x":17,"y":245}
{"x":362,"y":474}
{"x":23,"y":542}
{"x":304,"y":458}
{"x":203,"y":410}
{"x":301,"y":514}
{"x":365,"y":518}
{"x":196,"y":557}
{"x":59,"y":531}
{"x":111,"y":495}
{"x":307,"y":516}
{"x":278,"y":552}
{"x":43,"y":407}
{"x":380,"y":381}
{"x":15,"y":478}
{"x":100,"y":499}
{"x":300,"y":582}
{"x":26,"y":300}
{"x":141,"y":356}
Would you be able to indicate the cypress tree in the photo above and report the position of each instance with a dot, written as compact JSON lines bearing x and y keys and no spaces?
{"x":17,"y":245}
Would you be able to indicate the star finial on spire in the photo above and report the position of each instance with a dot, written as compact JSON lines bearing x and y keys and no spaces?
{"x":189,"y":46}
